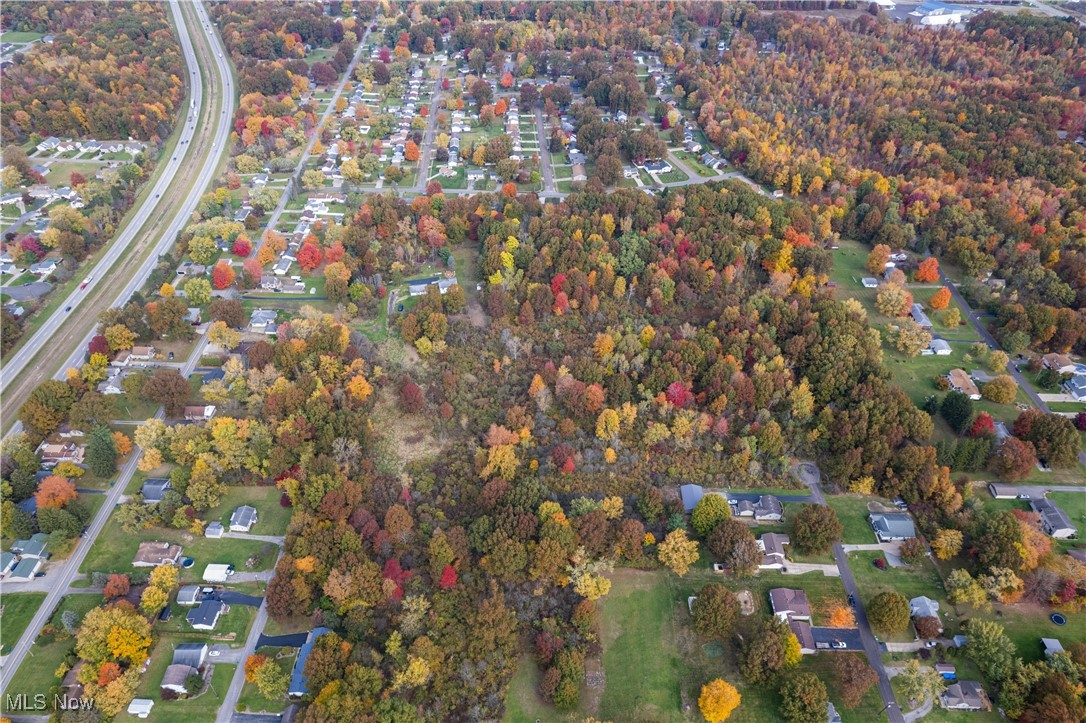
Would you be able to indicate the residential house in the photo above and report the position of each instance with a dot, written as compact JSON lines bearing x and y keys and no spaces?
{"x":802,"y":630}
{"x":199,"y":412}
{"x":870,"y":282}
{"x":1059,"y":363}
{"x":44,"y":267}
{"x":49,"y":144}
{"x":965,"y":695}
{"x":939,"y":347}
{"x":298,"y":682}
{"x":53,"y":453}
{"x":419,"y":286}
{"x":789,"y":604}
{"x":214,"y":530}
{"x":190,"y":654}
{"x":282,"y":266}
{"x":892,"y":526}
{"x":71,"y":689}
{"x":243,"y":519}
{"x":1054,"y":520}
{"x":153,"y":554}
{"x":141,"y":353}
{"x":657,"y":167}
{"x":920,"y":317}
{"x":1051,"y":646}
{"x":260,"y":180}
{"x":25,"y":570}
{"x":1001,"y":491}
{"x":154,"y":489}
{"x":960,"y":382}
{"x":772,"y":544}
{"x":579,"y":172}
{"x":8,"y":561}
{"x":925,"y":607}
{"x":34,"y":548}
{"x":691,"y":495}
{"x":188,"y":595}
{"x":1076,"y":387}
{"x":176,"y":676}
{"x":766,"y":508}
{"x":205,"y":616}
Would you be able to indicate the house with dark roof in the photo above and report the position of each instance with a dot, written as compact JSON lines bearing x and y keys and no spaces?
{"x":802,"y":630}
{"x":190,"y":654}
{"x":8,"y":561}
{"x":205,"y":616}
{"x":299,"y":685}
{"x":1054,"y":520}
{"x":154,"y":489}
{"x":772,"y":544}
{"x":789,"y":604}
{"x":965,"y":695}
{"x":25,"y":570}
{"x":35,"y":547}
{"x":892,"y":526}
{"x":766,"y":508}
{"x":214,"y":530}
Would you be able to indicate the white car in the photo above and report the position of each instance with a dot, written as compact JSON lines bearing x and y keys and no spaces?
{"x":214,"y":653}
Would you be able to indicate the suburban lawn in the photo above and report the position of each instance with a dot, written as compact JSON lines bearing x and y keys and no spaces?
{"x":232,"y":627}
{"x":655,"y":664}
{"x":114,"y":550}
{"x":251,"y":699}
{"x":18,"y":608}
{"x":852,"y":512}
{"x":202,"y":707}
{"x":913,"y":581}
{"x":37,"y":673}
{"x":1073,"y":503}
{"x":272,"y":517}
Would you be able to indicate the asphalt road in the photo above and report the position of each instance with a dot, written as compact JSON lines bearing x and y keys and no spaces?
{"x":128,"y":281}
{"x":154,"y":204}
{"x":62,"y":578}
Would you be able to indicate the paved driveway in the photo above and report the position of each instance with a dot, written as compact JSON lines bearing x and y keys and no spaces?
{"x":27,"y":292}
{"x":295,"y":640}
{"x":849,"y":636}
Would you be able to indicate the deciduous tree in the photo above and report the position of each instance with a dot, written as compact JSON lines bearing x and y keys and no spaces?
{"x":718,"y":700}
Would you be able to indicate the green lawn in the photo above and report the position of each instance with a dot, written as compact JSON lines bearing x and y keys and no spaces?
{"x":272,"y":518}
{"x":1074,"y":504}
{"x":852,"y":512}
{"x":18,"y":608}
{"x":522,"y":702}
{"x":15,"y":36}
{"x":36,"y":674}
{"x":114,"y":550}
{"x":201,"y":708}
{"x":232,"y":629}
{"x":919,"y":579}
{"x":655,"y":664}
{"x":251,"y":699}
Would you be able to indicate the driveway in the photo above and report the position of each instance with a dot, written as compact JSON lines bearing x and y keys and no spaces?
{"x":754,"y":496}
{"x":232,"y":597}
{"x":27,"y":292}
{"x":294,"y":640}
{"x":849,"y":636}
{"x":890,"y":550}
{"x":799,"y":568}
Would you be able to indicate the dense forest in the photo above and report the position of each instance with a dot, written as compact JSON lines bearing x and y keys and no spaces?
{"x":115,"y":70}
{"x":961,"y":145}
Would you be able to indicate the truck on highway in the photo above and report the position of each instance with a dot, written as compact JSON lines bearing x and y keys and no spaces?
{"x":85,"y":282}
{"x":218,"y":573}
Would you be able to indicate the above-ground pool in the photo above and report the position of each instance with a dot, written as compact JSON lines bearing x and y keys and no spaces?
{"x":1059,"y":619}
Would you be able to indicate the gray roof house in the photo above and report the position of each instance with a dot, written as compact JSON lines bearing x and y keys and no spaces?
{"x":175,"y":677}
{"x":214,"y":530}
{"x":1054,"y":520}
{"x":205,"y":616}
{"x":767,"y":507}
{"x":298,"y":682}
{"x":691,"y":495}
{"x":190,"y":654}
{"x":7,"y":563}
{"x":892,"y":526}
{"x":772,"y":544}
{"x":920,"y":317}
{"x":26,"y":570}
{"x":802,"y":630}
{"x":243,"y":519}
{"x":924,"y":607}
{"x":788,"y":603}
{"x":1001,"y":491}
{"x":155,"y":489}
{"x":964,"y":695}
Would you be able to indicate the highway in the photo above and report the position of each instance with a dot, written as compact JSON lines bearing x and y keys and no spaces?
{"x":126,"y":281}
{"x":63,"y":577}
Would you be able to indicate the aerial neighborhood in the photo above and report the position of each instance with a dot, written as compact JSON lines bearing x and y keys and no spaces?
{"x":441,"y":361}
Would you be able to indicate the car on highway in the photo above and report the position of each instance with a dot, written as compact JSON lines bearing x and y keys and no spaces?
{"x":85,"y":282}
{"x":67,"y":309}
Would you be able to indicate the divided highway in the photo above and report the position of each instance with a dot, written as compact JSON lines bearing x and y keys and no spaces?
{"x":202,"y":140}
{"x":189,"y":18}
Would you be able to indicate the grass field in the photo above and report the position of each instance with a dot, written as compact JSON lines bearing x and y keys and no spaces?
{"x":36,"y":674}
{"x":18,"y":608}
{"x":655,"y":664}
{"x":913,"y":581}
{"x":203,"y":707}
{"x":114,"y":550}
{"x":15,"y":36}
{"x":272,"y":518}
{"x":852,"y":512}
{"x":252,"y":700}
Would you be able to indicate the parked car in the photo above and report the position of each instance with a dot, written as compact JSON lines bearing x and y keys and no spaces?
{"x":840,"y":644}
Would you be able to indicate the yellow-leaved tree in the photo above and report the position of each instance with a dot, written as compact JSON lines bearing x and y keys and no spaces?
{"x":718,"y":700}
